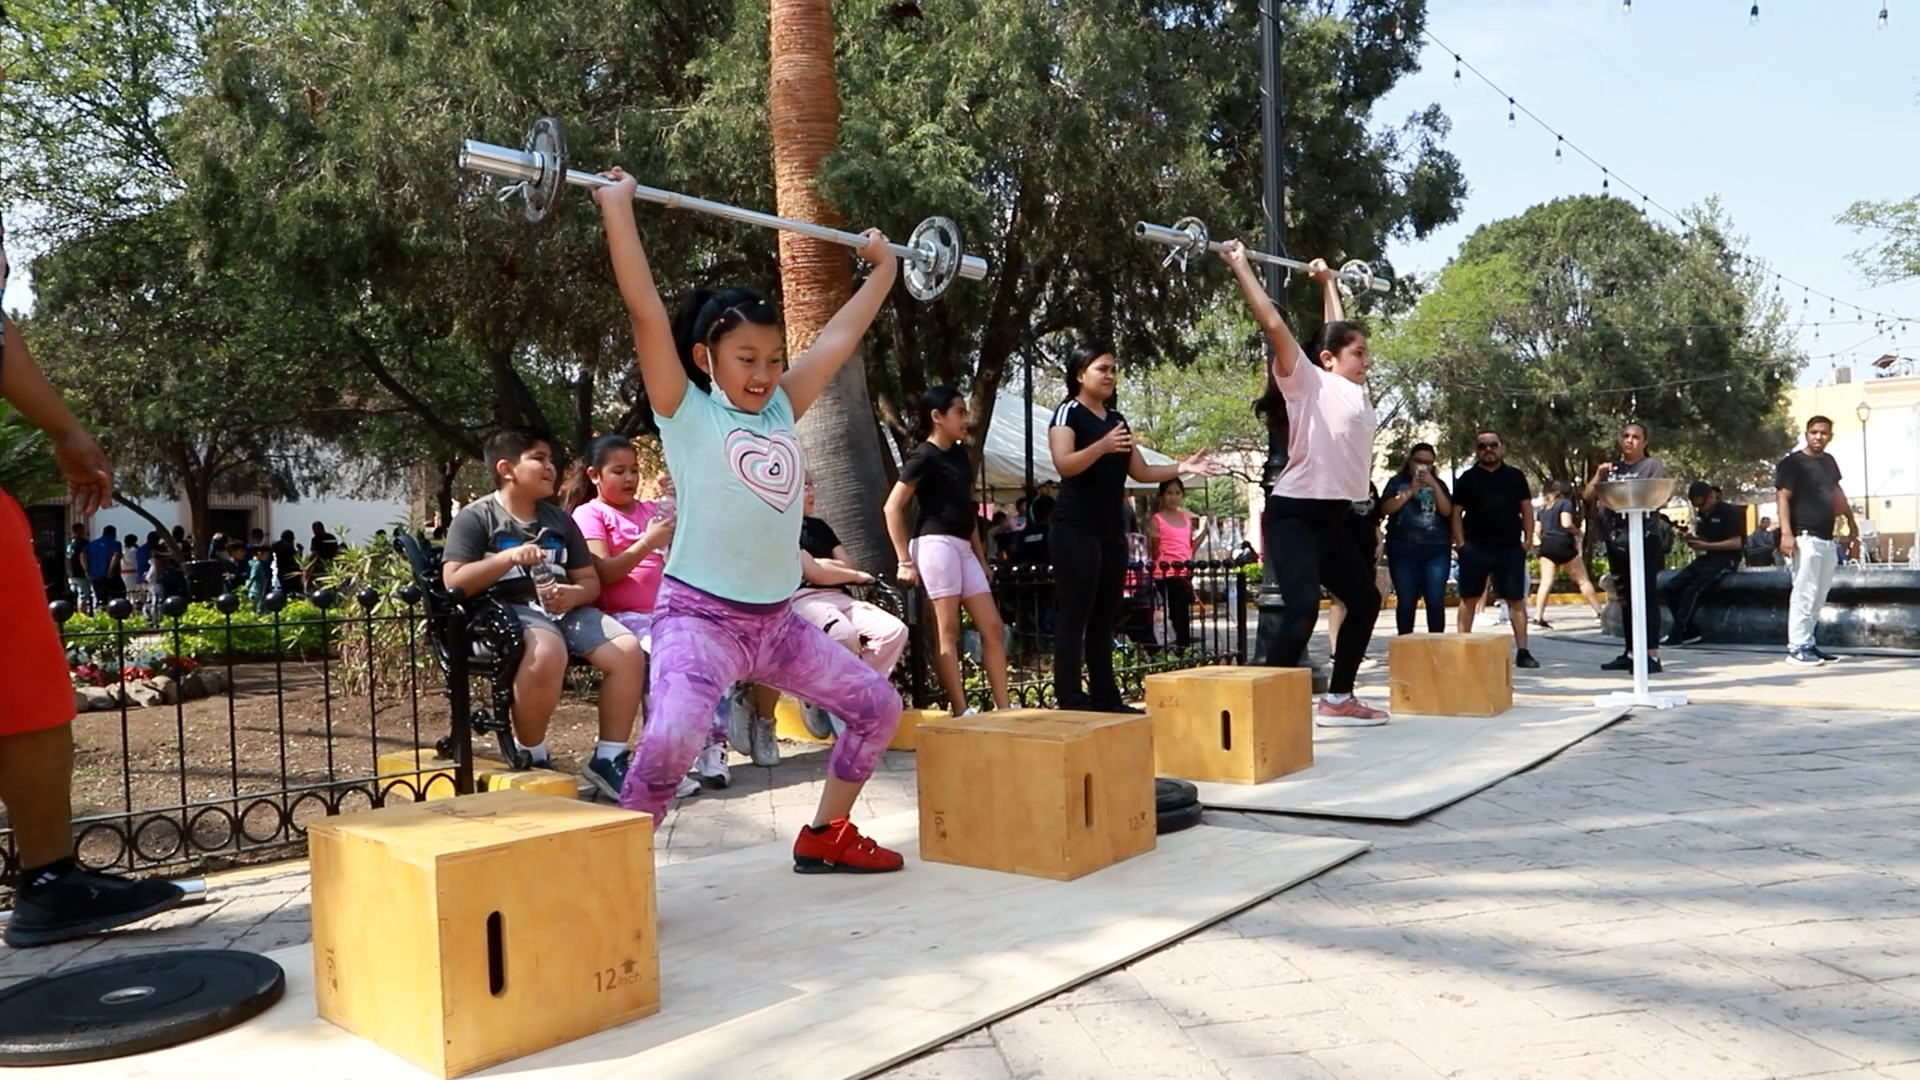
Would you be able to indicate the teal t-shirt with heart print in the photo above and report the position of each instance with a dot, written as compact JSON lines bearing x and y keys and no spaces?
{"x":738,"y":483}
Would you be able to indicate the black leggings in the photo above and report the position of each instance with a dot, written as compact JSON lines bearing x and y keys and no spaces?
{"x":1178,"y":592}
{"x":1617,"y":562}
{"x":1089,"y":569}
{"x":1308,"y":546}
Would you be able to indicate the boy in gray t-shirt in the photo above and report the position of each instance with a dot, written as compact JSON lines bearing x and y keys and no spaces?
{"x":514,"y":547}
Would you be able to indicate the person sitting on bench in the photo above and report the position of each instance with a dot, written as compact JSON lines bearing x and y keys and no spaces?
{"x":515,"y":547}
{"x":1717,"y":536}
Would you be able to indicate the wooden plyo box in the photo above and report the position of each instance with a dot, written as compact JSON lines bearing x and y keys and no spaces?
{"x":1232,"y":725}
{"x":461,"y":933}
{"x":1036,"y":791}
{"x":1450,"y":674}
{"x":787,"y":724}
{"x":405,"y":772}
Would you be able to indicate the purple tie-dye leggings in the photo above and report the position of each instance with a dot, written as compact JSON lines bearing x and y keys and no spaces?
{"x":702,"y":645}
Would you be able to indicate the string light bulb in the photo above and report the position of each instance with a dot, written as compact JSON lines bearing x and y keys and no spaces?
{"x":1512,"y":120}
{"x":1881,"y":22}
{"x":1626,"y":7}
{"x":1558,"y":141}
{"x":1753,"y":16}
{"x":1456,"y":69}
{"x":1606,"y":180}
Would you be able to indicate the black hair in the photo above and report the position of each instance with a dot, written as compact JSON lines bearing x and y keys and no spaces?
{"x":1083,"y":354}
{"x":707,"y":315}
{"x":1042,"y":509}
{"x":110,"y":533}
{"x":579,"y":487}
{"x":1170,"y":483}
{"x":510,"y":445}
{"x":932,"y":400}
{"x":1271,"y":405}
{"x":1821,"y":420}
{"x":1406,"y":467}
{"x":1645,"y":435}
{"x":1560,"y":489}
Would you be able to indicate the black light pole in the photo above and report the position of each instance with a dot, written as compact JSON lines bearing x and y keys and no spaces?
{"x":1272,"y":147}
{"x":1269,"y":601}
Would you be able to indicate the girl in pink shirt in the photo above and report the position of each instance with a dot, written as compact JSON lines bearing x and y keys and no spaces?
{"x":1330,"y":429}
{"x":628,"y":537}
{"x":1172,"y":534}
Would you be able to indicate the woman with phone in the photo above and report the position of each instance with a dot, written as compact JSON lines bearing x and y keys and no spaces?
{"x":1419,"y":540}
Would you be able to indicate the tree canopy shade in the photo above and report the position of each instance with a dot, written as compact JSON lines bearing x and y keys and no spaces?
{"x":1557,"y":326}
{"x":1895,"y":254}
{"x":1047,"y":130}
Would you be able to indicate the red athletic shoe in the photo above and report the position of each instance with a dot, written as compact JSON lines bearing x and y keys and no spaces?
{"x":840,"y":849}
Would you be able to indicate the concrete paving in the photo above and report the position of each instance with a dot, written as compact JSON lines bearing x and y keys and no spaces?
{"x":1729,"y":889}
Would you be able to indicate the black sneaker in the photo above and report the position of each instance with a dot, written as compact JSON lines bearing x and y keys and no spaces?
{"x":1121,"y":708}
{"x":1825,"y":656}
{"x":1524,"y":659}
{"x":608,"y":775}
{"x":1680,"y":637}
{"x":1623,"y":662}
{"x":85,"y":902}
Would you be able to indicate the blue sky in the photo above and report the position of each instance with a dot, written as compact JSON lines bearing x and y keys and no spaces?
{"x":1788,"y":121}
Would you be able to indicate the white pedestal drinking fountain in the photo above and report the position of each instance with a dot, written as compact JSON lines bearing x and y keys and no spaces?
{"x":1635,"y":498}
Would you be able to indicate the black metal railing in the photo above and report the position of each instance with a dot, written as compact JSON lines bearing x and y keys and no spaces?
{"x":1147,"y":634}
{"x":210,"y":734}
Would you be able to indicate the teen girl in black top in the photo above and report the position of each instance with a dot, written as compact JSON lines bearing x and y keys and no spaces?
{"x":1094,"y":453}
{"x":941,"y":550}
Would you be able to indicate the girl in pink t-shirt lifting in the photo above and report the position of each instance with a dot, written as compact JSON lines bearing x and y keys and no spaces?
{"x":1330,"y":433}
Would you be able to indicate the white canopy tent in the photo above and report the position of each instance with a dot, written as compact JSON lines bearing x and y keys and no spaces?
{"x":1003,"y":464}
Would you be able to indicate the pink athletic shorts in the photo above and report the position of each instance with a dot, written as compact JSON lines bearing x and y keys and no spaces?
{"x":948,"y":567}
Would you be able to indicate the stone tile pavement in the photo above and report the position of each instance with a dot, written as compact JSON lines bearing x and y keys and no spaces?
{"x":1724,"y":890}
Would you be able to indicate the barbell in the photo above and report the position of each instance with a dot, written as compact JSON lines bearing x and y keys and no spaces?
{"x":1188,"y":237}
{"x":932,"y":254}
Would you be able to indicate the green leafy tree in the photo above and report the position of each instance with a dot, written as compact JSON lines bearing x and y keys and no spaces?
{"x":1558,"y":325}
{"x":1895,"y":255}
{"x":1046,"y":130}
{"x":193,"y":380}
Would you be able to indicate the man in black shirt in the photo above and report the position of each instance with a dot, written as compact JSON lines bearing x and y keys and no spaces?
{"x":1493,"y":530}
{"x":1716,"y":537}
{"x":1808,"y":498}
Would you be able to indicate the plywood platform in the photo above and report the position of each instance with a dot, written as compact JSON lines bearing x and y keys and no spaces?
{"x":767,"y":974}
{"x":1416,"y":764}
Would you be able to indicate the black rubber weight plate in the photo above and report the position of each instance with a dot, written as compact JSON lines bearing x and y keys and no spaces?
{"x":1185,"y":817}
{"x":1174,"y":794}
{"x":134,"y":1004}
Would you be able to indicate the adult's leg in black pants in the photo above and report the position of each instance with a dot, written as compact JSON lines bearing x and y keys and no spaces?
{"x":1693,"y":581}
{"x":1295,"y":530}
{"x":1178,"y":592}
{"x":1076,"y":578}
{"x":1348,"y":575}
{"x":1109,"y":583}
{"x":1650,"y":618}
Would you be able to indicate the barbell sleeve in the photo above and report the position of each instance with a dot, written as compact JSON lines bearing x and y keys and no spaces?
{"x":530,"y":167}
{"x":1172,"y":237}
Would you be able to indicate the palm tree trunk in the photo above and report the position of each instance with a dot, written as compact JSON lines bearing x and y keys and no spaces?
{"x":838,"y":435}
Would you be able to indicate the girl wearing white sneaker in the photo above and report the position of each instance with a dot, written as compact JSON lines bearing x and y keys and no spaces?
{"x":1330,"y":432}
{"x":940,"y":547}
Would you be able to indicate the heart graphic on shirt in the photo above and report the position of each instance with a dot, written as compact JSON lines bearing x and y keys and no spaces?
{"x":769,"y":466}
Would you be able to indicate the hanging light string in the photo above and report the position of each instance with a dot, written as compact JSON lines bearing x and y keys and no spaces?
{"x":1608,"y":178}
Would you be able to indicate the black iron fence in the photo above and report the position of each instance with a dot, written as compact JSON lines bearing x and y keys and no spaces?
{"x":1179,"y":615}
{"x":211,"y":733}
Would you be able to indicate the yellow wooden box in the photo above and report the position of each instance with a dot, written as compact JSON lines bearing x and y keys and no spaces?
{"x":1450,"y":674}
{"x":1233,"y":725}
{"x":460,"y":933}
{"x":404,"y":773}
{"x":787,"y":724}
{"x":1036,"y":791}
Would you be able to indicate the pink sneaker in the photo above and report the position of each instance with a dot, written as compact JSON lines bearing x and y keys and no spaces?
{"x":1349,"y":713}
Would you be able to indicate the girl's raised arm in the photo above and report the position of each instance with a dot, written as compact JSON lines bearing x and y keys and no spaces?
{"x":809,"y":374}
{"x":660,"y":370}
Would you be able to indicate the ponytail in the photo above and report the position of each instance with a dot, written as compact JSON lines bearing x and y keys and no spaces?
{"x":579,"y":488}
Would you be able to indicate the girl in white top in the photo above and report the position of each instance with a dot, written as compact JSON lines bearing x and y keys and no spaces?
{"x":1331,"y":426}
